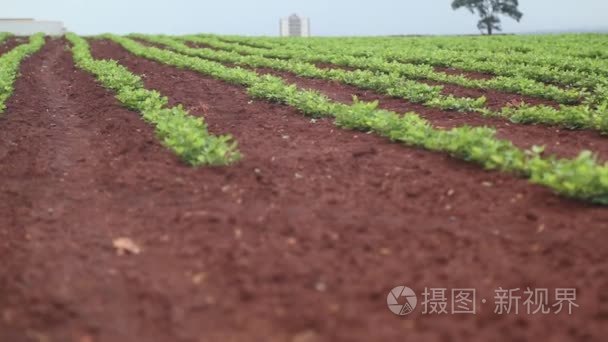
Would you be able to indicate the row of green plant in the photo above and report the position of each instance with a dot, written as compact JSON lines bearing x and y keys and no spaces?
{"x":567,"y":63}
{"x":390,"y":84}
{"x":10,"y":63}
{"x":584,"y":116}
{"x":558,"y":47}
{"x":581,"y":178}
{"x":519,"y":85}
{"x":590,"y":115}
{"x":587,"y":46}
{"x":543,"y":73}
{"x":185,"y":135}
{"x":464,"y":60}
{"x":508,"y":52}
{"x":580,"y":46}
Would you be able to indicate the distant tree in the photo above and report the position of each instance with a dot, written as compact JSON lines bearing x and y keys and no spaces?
{"x":489,"y":10}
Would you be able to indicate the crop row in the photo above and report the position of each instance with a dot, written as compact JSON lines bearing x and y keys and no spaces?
{"x":493,"y":50}
{"x":186,"y":135}
{"x":517,"y":85}
{"x":455,"y":59}
{"x":542,"y":50}
{"x":583,"y":47}
{"x":9,"y":66}
{"x":389,"y":84}
{"x":463,"y":60}
{"x":588,"y":46}
{"x":564,"y":63}
{"x":572,"y":117}
{"x":581,"y":177}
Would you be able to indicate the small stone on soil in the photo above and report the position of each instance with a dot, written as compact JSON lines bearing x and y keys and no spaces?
{"x":305,"y":336}
{"x":321,"y":286}
{"x":199,"y":278}
{"x":86,"y":338}
{"x":126,"y":246}
{"x":385,"y":251}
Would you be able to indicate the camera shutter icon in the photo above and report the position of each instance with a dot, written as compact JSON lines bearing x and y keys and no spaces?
{"x":401,"y":300}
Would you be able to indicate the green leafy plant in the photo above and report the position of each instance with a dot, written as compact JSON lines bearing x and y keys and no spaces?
{"x":186,"y":135}
{"x":10,"y":63}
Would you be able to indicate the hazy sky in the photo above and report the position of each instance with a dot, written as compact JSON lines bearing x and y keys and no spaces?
{"x":328,"y":17}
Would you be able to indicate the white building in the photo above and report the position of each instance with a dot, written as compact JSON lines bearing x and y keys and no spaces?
{"x":27,"y":27}
{"x":295,"y":26}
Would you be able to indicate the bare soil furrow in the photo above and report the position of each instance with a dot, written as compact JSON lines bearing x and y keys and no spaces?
{"x":469,"y":74}
{"x":11,"y":43}
{"x":72,"y":165}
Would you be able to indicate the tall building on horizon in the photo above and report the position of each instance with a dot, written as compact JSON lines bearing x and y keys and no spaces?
{"x":295,"y":26}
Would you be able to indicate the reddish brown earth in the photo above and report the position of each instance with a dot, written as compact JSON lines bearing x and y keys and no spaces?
{"x":469,"y":74}
{"x":189,"y":44}
{"x":250,"y":45}
{"x":203,"y":45}
{"x":301,"y":241}
{"x":10,"y":43}
{"x":334,"y":66}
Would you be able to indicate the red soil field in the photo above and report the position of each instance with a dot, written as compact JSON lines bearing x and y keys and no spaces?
{"x":301,"y":241}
